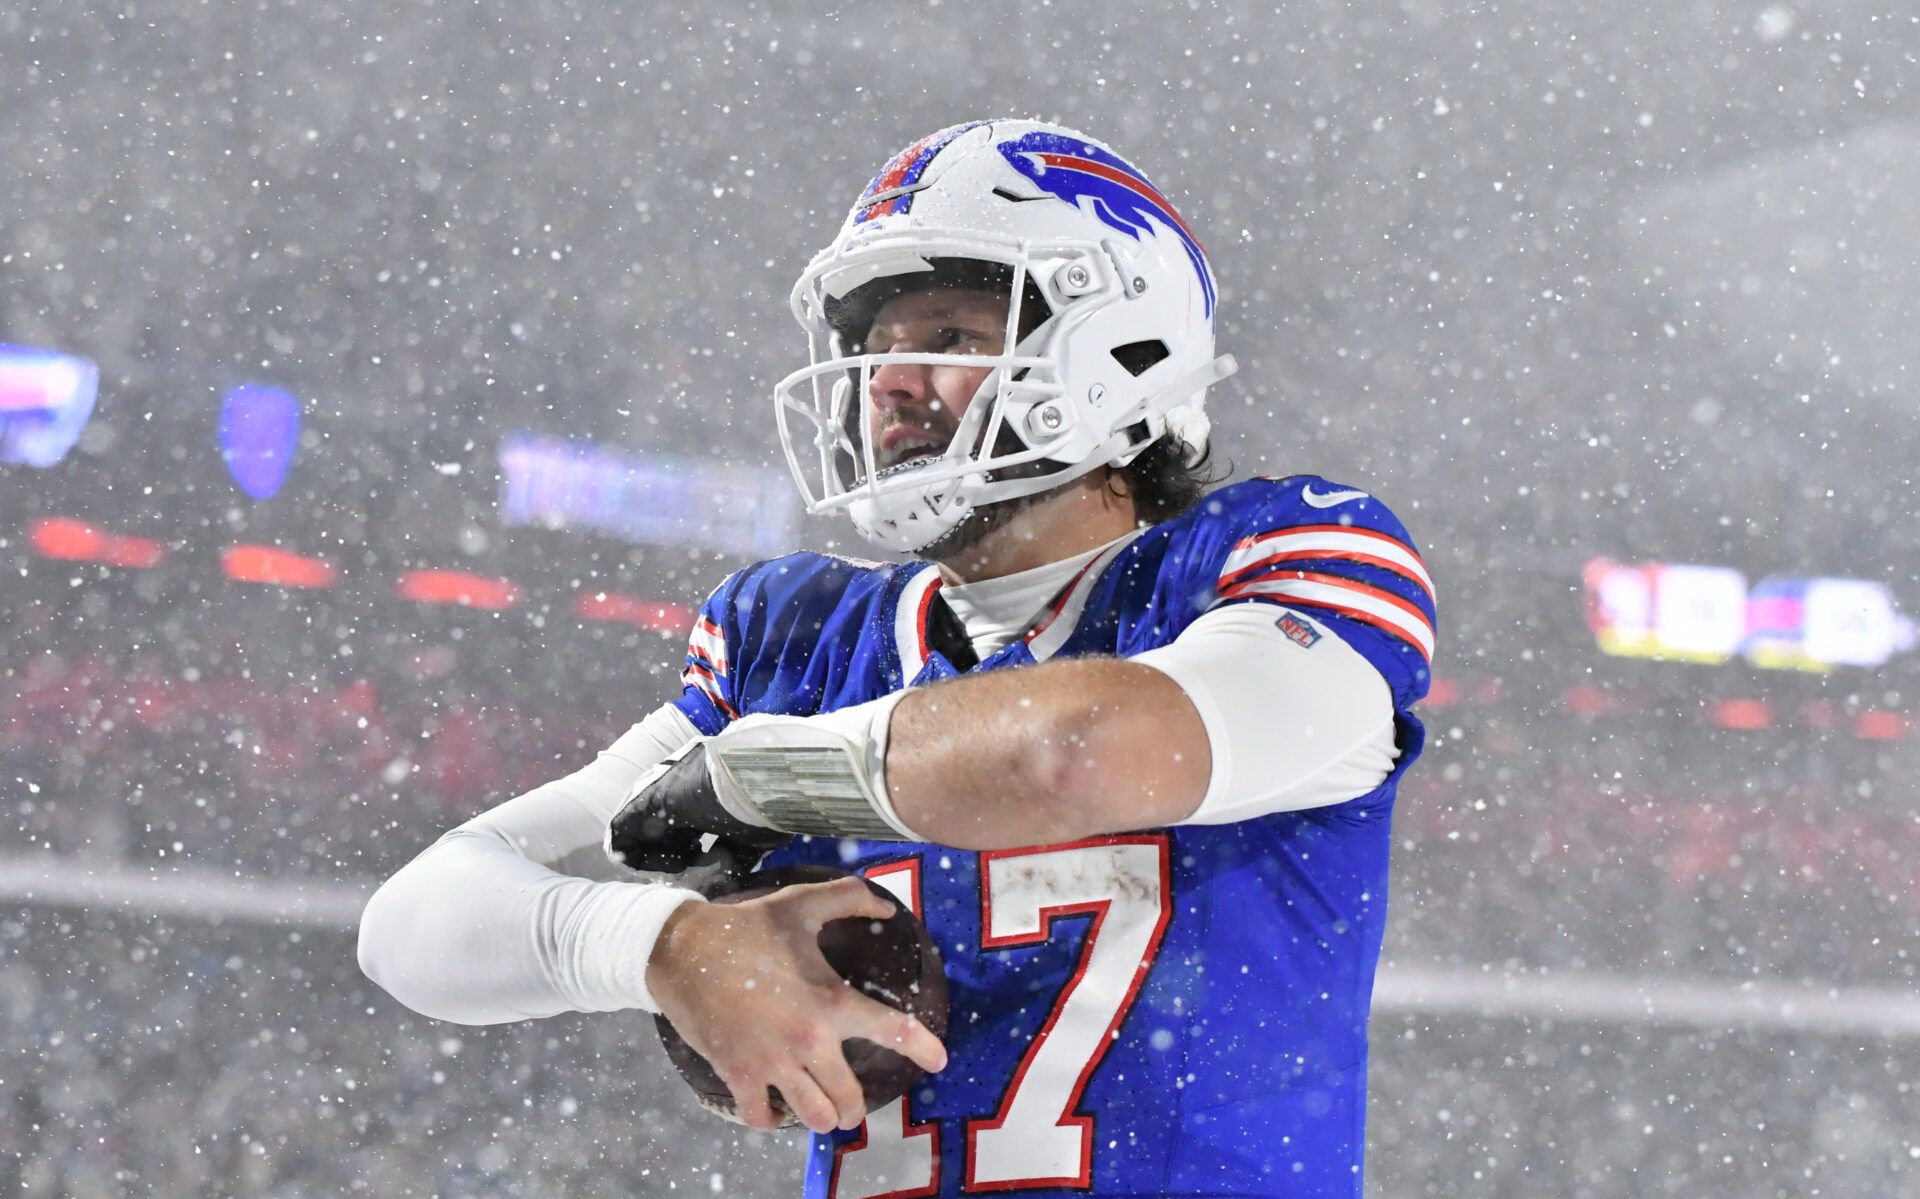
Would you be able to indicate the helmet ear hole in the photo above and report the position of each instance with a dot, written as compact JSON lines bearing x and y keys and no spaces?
{"x":1140,"y":435}
{"x":1138,"y":357}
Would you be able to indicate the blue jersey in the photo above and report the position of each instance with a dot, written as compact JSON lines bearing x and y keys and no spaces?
{"x":1174,"y":1012}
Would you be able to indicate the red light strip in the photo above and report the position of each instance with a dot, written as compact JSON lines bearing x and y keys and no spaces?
{"x":653,"y":615}
{"x":77,"y":541}
{"x":1742,"y":714}
{"x":1589,"y":701}
{"x":275,"y":567}
{"x":74,"y":540}
{"x":455,"y":587}
{"x":1880,"y":725}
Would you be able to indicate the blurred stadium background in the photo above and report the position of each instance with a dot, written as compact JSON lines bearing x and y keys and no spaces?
{"x":383,"y":385}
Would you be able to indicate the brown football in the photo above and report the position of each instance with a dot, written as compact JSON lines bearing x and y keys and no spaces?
{"x":894,"y":960}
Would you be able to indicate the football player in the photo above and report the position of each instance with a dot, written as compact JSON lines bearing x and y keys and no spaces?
{"x":1129,"y":749}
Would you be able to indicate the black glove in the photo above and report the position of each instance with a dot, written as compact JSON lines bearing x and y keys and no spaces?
{"x":659,"y":828}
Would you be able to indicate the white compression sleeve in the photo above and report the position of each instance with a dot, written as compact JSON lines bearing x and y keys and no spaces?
{"x":517,"y":913}
{"x":1291,"y":726}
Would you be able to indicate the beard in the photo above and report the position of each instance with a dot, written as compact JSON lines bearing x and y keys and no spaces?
{"x":976,"y":527}
{"x":981,"y":523}
{"x":987,"y":519}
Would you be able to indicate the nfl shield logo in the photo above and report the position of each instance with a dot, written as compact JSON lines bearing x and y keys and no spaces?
{"x":1302,"y":633}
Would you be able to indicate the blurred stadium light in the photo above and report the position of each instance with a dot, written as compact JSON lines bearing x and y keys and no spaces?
{"x":457,"y":587}
{"x":259,"y":436}
{"x":46,"y":398}
{"x":645,"y":498}
{"x":654,"y":615}
{"x":276,"y":567}
{"x":78,"y":541}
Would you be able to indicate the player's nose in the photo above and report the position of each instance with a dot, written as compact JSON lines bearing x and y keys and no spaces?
{"x":897,"y":385}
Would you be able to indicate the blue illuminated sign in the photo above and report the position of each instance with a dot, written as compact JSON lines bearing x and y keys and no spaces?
{"x":259,"y":435}
{"x":646,"y":498}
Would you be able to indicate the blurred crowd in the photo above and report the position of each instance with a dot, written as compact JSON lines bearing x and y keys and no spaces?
{"x":1495,"y":1107}
{"x":329,"y":780}
{"x":1665,"y":876}
{"x":143,"y":1057}
{"x":1653,"y":847}
{"x":151,"y":1055}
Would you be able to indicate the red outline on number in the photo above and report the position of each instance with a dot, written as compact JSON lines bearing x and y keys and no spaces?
{"x":1099,"y":908}
{"x":908,"y":1129}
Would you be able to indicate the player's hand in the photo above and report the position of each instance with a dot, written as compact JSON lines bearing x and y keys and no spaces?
{"x":670,"y":808}
{"x":747,"y":986}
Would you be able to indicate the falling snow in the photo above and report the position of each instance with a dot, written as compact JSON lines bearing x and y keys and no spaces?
{"x":1566,"y":282}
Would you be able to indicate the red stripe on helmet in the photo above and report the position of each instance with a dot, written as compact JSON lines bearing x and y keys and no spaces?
{"x":1132,"y":183}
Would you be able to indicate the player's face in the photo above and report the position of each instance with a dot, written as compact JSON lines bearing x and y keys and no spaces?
{"x":913,"y":410}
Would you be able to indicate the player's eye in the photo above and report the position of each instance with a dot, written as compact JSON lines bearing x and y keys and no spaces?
{"x":960,"y":339}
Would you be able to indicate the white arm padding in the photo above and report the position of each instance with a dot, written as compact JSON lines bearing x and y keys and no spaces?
{"x":518,"y":913}
{"x":1290,"y":726}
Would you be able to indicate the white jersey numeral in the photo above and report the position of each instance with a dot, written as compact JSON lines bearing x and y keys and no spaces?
{"x":891,"y":1157}
{"x":1035,"y":1138}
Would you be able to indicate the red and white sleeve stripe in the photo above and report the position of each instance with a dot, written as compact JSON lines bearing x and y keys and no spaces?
{"x":707,"y":663}
{"x":1259,"y":566}
{"x":707,"y":644}
{"x":1323,"y":542}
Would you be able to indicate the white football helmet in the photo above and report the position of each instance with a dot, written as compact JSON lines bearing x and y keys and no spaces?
{"x":1123,"y":356}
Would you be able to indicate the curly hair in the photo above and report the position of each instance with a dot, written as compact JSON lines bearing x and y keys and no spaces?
{"x":1161,"y":481}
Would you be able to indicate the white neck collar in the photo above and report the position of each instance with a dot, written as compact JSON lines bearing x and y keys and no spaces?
{"x":995,"y":611}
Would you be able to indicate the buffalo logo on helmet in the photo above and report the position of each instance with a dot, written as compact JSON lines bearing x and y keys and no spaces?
{"x":891,"y":192}
{"x":1120,"y":196}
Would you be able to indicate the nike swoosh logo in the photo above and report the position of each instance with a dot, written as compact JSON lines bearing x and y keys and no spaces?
{"x":1331,"y":498}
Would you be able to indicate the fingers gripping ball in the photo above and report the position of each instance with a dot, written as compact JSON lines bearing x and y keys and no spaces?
{"x":893,"y":961}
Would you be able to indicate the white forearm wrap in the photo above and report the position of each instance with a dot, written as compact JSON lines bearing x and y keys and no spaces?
{"x":517,"y":913}
{"x":824,"y":775}
{"x":1291,"y":726}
